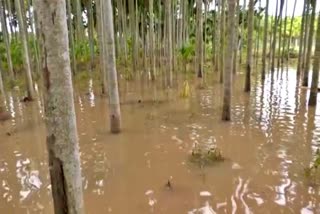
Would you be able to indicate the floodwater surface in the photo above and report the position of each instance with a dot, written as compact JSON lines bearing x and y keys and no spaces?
{"x":272,"y":137}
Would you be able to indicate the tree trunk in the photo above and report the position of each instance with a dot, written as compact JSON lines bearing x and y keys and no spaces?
{"x":310,"y":42}
{"x":226,"y":112}
{"x":258,"y":38}
{"x":151,"y":41}
{"x":133,"y":35}
{"x":169,"y":53}
{"x":236,"y":39}
{"x":114,"y":101}
{"x":62,"y":136}
{"x":316,"y":67}
{"x":274,"y":42}
{"x":306,"y":35}
{"x":6,"y":38}
{"x":243,"y":33}
{"x":71,"y":38}
{"x":26,"y":58}
{"x":284,"y":35}
{"x":302,"y":32}
{"x":217,"y":37}
{"x":199,"y":39}
{"x":1,"y":81}
{"x":79,"y":23}
{"x":222,"y":35}
{"x":265,"y":40}
{"x":91,"y":33}
{"x":250,"y":46}
{"x":102,"y":49}
{"x":291,"y":29}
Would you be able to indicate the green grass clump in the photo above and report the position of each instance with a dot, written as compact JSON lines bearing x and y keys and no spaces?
{"x":205,"y":156}
{"x":312,"y":173}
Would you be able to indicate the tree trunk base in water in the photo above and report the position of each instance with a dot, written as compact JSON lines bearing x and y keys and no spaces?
{"x":115,"y":124}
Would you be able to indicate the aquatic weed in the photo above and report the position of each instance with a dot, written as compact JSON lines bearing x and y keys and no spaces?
{"x":206,"y":156}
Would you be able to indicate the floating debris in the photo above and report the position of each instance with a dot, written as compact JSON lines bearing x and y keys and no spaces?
{"x":149,"y":192}
{"x":205,"y":194}
{"x":205,"y":157}
{"x":236,"y":166}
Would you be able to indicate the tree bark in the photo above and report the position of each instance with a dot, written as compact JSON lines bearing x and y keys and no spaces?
{"x":302,"y":32}
{"x":236,"y":38}
{"x":114,"y":101}
{"x":91,"y":32}
{"x":102,"y":49}
{"x":316,"y":67}
{"x":247,"y":87}
{"x":71,"y":39}
{"x":199,"y":39}
{"x":274,"y":42}
{"x":168,"y":11}
{"x":134,"y":53}
{"x":79,"y":22}
{"x":265,"y":40}
{"x":222,"y":41}
{"x":310,"y":42}
{"x":151,"y":41}
{"x":26,"y":58}
{"x":226,"y":112}
{"x":291,"y":30}
{"x":62,"y":136}
{"x":6,"y":38}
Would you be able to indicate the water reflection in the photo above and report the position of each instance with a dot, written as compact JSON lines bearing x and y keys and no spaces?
{"x":273,"y":135}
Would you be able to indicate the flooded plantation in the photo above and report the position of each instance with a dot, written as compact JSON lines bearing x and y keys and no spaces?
{"x":272,"y":138}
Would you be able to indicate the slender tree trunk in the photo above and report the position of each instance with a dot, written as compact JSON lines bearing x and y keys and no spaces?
{"x":27,"y":63}
{"x":247,"y":87}
{"x":265,"y":40}
{"x":91,"y":32}
{"x":214,"y":37}
{"x":302,"y":32}
{"x":310,"y":43}
{"x":79,"y":22}
{"x":236,"y":39}
{"x":280,"y":21}
{"x":217,"y":37}
{"x":284,"y":35}
{"x":114,"y":101}
{"x":274,"y":42}
{"x":10,"y":17}
{"x":258,"y":38}
{"x":316,"y":67}
{"x":102,"y":48}
{"x":306,"y":35}
{"x":199,"y":39}
{"x":243,"y":33}
{"x":151,"y":41}
{"x":134,"y":53}
{"x":222,"y":36}
{"x":124,"y":28}
{"x":226,"y":112}
{"x":6,"y":38}
{"x":291,"y":29}
{"x":169,"y":40}
{"x":1,"y":81}
{"x":71,"y":38}
{"x":62,"y":136}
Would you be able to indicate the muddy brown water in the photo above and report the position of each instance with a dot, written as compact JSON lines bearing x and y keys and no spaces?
{"x":272,"y":137}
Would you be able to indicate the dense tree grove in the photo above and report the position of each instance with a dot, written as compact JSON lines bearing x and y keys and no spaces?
{"x":49,"y":42}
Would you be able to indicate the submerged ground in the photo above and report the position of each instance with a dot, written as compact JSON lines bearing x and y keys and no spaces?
{"x":271,"y":139}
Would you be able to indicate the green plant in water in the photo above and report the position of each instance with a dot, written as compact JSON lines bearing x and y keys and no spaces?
{"x":82,"y":51}
{"x":185,"y":93}
{"x":312,"y":173}
{"x":205,"y":156}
